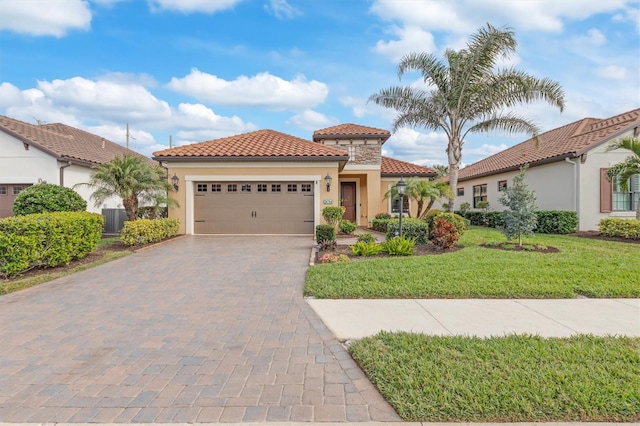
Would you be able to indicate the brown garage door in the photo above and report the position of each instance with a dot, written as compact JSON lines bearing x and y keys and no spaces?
{"x":8,"y":193}
{"x":253,"y":208}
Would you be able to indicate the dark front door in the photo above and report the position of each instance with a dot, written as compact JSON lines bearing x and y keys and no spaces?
{"x":348,"y":200}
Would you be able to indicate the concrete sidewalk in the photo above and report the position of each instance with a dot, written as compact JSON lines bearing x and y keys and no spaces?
{"x":357,"y":318}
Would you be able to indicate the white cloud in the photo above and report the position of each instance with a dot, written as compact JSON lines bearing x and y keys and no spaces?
{"x":311,"y":120}
{"x":261,"y":90}
{"x":611,"y":72}
{"x":281,"y":9}
{"x":139,"y":140}
{"x":56,"y":19}
{"x":417,"y":147}
{"x":593,"y":38}
{"x":410,"y":39}
{"x":192,"y":6}
{"x":360,"y":107}
{"x":485,"y":150}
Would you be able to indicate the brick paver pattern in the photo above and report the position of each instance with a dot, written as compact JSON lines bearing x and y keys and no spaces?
{"x":200,"y":329}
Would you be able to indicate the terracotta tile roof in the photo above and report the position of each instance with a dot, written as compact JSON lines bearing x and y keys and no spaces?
{"x":570,"y":140}
{"x":261,"y":143}
{"x":64,"y":142}
{"x":392,"y":167}
{"x":350,"y":130}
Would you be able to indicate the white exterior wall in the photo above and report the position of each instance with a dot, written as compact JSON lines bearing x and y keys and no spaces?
{"x":75,"y":174}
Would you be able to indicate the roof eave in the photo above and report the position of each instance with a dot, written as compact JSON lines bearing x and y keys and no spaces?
{"x":429,"y":175}
{"x":217,"y":159}
{"x":608,"y":138}
{"x":553,"y":159}
{"x":351,"y":136}
{"x":28,"y":141}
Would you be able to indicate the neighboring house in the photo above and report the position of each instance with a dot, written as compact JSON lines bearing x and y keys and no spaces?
{"x":267,"y":182}
{"x":52,"y":153}
{"x":567,"y":170}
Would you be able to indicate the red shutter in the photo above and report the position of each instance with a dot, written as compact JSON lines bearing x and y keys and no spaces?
{"x":606,"y":192}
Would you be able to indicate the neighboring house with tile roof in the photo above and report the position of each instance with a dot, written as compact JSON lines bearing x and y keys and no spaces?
{"x":52,"y":153}
{"x":267,"y":182}
{"x":567,"y":170}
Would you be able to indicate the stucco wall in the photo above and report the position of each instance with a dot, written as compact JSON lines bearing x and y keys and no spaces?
{"x":20,"y":165}
{"x":384,"y":205}
{"x":77,"y":174}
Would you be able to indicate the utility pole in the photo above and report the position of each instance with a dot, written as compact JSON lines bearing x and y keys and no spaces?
{"x":127,"y":135}
{"x":170,"y":141}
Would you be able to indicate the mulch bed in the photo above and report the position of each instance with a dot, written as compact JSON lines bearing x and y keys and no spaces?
{"x":596,"y":235}
{"x":419,"y":250}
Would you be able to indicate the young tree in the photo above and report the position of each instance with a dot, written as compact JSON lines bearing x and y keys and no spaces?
{"x":621,"y":173}
{"x":467,"y":94}
{"x":520,"y":217}
{"x":422,"y":191}
{"x":133,"y":179}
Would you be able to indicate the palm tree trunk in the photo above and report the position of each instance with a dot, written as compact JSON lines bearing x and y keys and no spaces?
{"x":453,"y":183}
{"x":420,"y":204}
{"x":638,"y":210}
{"x":130,"y":207}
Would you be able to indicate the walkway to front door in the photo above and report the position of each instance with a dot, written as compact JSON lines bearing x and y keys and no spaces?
{"x":201,"y":329}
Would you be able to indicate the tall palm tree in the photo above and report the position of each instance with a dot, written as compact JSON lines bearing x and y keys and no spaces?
{"x":423,"y":191}
{"x":467,"y":94}
{"x":133,"y":179}
{"x":621,"y":173}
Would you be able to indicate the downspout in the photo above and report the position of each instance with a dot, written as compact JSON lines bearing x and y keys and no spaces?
{"x":575,"y":184}
{"x":61,"y":179}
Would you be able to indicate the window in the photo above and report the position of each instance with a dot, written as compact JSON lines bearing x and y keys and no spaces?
{"x":502,"y":185}
{"x":201,"y":187}
{"x":17,"y":189}
{"x":479,"y":194}
{"x":216,"y":187}
{"x":292,"y":187}
{"x":352,"y":152}
{"x":305,"y":187}
{"x":626,"y":200}
{"x":3,"y":190}
{"x":232,"y":187}
{"x":246,"y":187}
{"x":460,"y":192}
{"x":395,"y":205}
{"x":262,"y":187}
{"x":276,"y":187}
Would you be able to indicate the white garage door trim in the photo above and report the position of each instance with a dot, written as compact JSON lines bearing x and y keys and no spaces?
{"x":191,"y":179}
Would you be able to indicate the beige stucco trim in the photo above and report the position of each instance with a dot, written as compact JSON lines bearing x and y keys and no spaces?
{"x":349,"y":167}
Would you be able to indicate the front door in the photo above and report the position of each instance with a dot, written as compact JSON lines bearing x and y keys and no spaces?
{"x":348,"y":200}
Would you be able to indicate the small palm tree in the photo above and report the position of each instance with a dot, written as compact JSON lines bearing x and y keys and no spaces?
{"x":423,"y":191}
{"x":466,"y":93}
{"x":621,"y":173}
{"x":441,"y":170}
{"x":133,"y":179}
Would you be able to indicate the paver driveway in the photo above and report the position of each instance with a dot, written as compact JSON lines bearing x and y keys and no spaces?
{"x":201,"y":329}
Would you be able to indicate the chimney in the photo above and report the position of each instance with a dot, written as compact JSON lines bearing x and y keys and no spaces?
{"x":102,"y":143}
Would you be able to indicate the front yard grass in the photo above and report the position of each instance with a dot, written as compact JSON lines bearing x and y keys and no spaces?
{"x":588,"y":267}
{"x":504,"y":379}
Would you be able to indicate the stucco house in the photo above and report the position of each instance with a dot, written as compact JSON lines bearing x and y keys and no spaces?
{"x":268,"y":182}
{"x":52,"y":153}
{"x":567,"y":170}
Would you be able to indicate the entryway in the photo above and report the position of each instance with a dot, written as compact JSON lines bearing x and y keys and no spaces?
{"x":348,"y":200}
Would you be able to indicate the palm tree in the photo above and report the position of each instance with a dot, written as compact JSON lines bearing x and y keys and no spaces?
{"x":467,"y":94}
{"x":423,"y":191}
{"x":441,"y":170}
{"x":133,"y":179}
{"x":621,"y":173}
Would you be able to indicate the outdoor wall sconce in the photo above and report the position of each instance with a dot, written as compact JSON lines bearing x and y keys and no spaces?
{"x":401,"y":187}
{"x":327,"y":180}
{"x":174,"y":181}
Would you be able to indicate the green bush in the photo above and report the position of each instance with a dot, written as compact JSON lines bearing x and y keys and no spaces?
{"x":616,"y":227}
{"x":382,"y":216}
{"x":144,"y":231}
{"x":417,"y":229}
{"x":494,"y":219}
{"x":454,"y":219}
{"x":429,"y":217}
{"x":48,"y":198}
{"x":367,"y":237}
{"x":556,"y":222}
{"x":347,"y":227}
{"x":445,"y":234}
{"x":47,"y":240}
{"x":365,"y":249}
{"x":332,"y":214}
{"x":474,"y":217}
{"x":325,"y":233}
{"x":399,"y":246}
{"x":380,"y":225}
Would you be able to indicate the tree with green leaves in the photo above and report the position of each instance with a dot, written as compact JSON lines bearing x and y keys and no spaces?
{"x":520,"y":216}
{"x":133,"y":179}
{"x":622,"y":172}
{"x":423,"y":192}
{"x":441,"y":170}
{"x":467,"y":93}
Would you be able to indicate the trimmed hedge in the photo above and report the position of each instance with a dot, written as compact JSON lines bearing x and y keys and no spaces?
{"x":416,"y":229}
{"x":380,"y":225}
{"x":144,"y":231}
{"x":47,"y":240}
{"x":347,"y":227}
{"x":616,"y":227}
{"x":549,"y":221}
{"x":325,"y":233}
{"x":48,"y":198}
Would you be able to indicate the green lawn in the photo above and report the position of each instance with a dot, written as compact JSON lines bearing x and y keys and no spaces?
{"x":588,"y":267}
{"x":504,"y":379}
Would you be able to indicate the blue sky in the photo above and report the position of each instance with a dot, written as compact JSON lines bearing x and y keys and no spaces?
{"x":203,"y":69}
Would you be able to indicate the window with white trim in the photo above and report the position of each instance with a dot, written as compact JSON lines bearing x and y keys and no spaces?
{"x":479,"y":194}
{"x":626,"y":200}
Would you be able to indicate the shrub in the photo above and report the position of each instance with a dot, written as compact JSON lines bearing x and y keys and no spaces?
{"x":416,"y":229}
{"x":325,"y":233}
{"x":474,"y":217}
{"x":493,"y":219}
{"x":365,"y":249}
{"x":367,"y":237}
{"x":429,"y":217}
{"x":616,"y":227}
{"x":556,"y":221}
{"x":399,"y":246}
{"x":144,"y":231}
{"x":47,"y":240}
{"x":380,"y":225}
{"x":48,"y":198}
{"x":332,"y":215}
{"x":445,"y":234}
{"x":454,"y":219}
{"x":333,"y":258}
{"x":382,"y":216}
{"x":465,"y":207}
{"x":347,"y":227}
{"x":152,"y":212}
{"x":328,"y":245}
